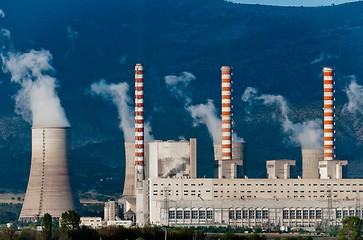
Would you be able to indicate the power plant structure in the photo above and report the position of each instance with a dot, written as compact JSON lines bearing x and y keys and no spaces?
{"x":321,"y":197}
{"x":49,"y":189}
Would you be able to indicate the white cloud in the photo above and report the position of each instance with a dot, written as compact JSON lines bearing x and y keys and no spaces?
{"x":308,"y":134}
{"x":37,"y":100}
{"x":354,"y":93}
{"x":179,"y":84}
{"x":118,"y":94}
{"x":207,"y":114}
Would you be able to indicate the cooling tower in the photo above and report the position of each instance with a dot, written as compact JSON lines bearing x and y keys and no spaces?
{"x":310,"y":162}
{"x":49,"y":189}
{"x":232,"y":168}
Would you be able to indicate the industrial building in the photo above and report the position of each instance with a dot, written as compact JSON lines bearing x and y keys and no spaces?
{"x":49,"y":189}
{"x":320,"y":197}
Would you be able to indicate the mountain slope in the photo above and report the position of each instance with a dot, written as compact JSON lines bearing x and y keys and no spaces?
{"x":279,"y":50}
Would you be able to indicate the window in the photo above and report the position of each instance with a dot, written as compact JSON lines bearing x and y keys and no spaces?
{"x":244,"y":214}
{"x":345,"y":213}
{"x":258,"y":214}
{"x":312,"y":214}
{"x":231,"y":214}
{"x":209,"y":214}
{"x":194,"y":214}
{"x":238,"y":214}
{"x":305,"y":214}
{"x":285,"y":214}
{"x":202,"y":214}
{"x":251,"y":213}
{"x":351,"y":212}
{"x":292,"y":214}
{"x":264,"y":214}
{"x":187,"y":214}
{"x":179,"y":214}
{"x":171,"y":214}
{"x":318,"y":214}
{"x":338,"y":214}
{"x":298,"y":214}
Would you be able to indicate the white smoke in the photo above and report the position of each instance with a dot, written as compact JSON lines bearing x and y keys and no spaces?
{"x":178,"y":84}
{"x":2,"y":13}
{"x":118,"y":94}
{"x":207,"y":114}
{"x":5,"y":32}
{"x":37,"y":100}
{"x":323,"y":57}
{"x":201,"y":113}
{"x":308,"y":134}
{"x":355,"y":97}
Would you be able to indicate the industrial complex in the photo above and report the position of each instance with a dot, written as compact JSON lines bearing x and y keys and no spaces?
{"x":321,"y":197}
{"x":161,"y":185}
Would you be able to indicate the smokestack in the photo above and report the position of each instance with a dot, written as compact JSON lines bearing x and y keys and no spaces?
{"x":226,"y":114}
{"x":49,"y":189}
{"x":139,"y":124}
{"x":328,"y":114}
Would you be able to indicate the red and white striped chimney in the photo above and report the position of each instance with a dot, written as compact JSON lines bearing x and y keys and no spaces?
{"x":139,"y":124}
{"x":226,"y":113}
{"x":328,"y":113}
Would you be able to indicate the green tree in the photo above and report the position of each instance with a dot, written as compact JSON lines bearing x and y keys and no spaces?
{"x":351,"y":229}
{"x":70,"y":220}
{"x":47,"y":226}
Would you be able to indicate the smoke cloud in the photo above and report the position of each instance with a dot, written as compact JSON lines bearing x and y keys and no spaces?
{"x":118,"y":94}
{"x":207,"y":114}
{"x":201,"y":113}
{"x":308,"y":134}
{"x":178,"y":85}
{"x":37,"y":100}
{"x":354,"y":93}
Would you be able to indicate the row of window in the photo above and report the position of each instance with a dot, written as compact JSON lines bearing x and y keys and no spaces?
{"x":345,"y":213}
{"x":190,"y":214}
{"x":248,"y":214}
{"x":301,"y":214}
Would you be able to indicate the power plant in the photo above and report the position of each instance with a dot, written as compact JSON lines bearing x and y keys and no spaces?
{"x":49,"y":189}
{"x":161,"y":185}
{"x":321,"y":197}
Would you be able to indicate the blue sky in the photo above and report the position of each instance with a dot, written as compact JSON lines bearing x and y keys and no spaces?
{"x":293,"y":2}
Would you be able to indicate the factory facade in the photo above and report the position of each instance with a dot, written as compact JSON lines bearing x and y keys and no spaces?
{"x":320,"y":198}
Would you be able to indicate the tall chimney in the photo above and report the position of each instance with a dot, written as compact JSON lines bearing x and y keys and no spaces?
{"x":328,"y":114}
{"x":139,"y":125}
{"x":226,"y":114}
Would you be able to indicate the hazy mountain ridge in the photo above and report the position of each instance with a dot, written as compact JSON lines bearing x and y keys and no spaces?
{"x":279,"y":50}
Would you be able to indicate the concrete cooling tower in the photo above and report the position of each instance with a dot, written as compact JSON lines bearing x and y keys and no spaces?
{"x":49,"y":189}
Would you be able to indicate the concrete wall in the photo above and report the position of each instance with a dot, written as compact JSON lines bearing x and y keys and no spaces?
{"x":310,"y":162}
{"x":274,"y":195}
{"x":49,"y":189}
{"x":171,"y":159}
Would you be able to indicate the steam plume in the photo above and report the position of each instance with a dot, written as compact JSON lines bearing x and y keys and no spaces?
{"x":118,"y":94}
{"x":307,"y":134}
{"x":355,"y":97}
{"x":207,"y":114}
{"x":178,"y":84}
{"x":37,"y":100}
{"x":201,"y":113}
